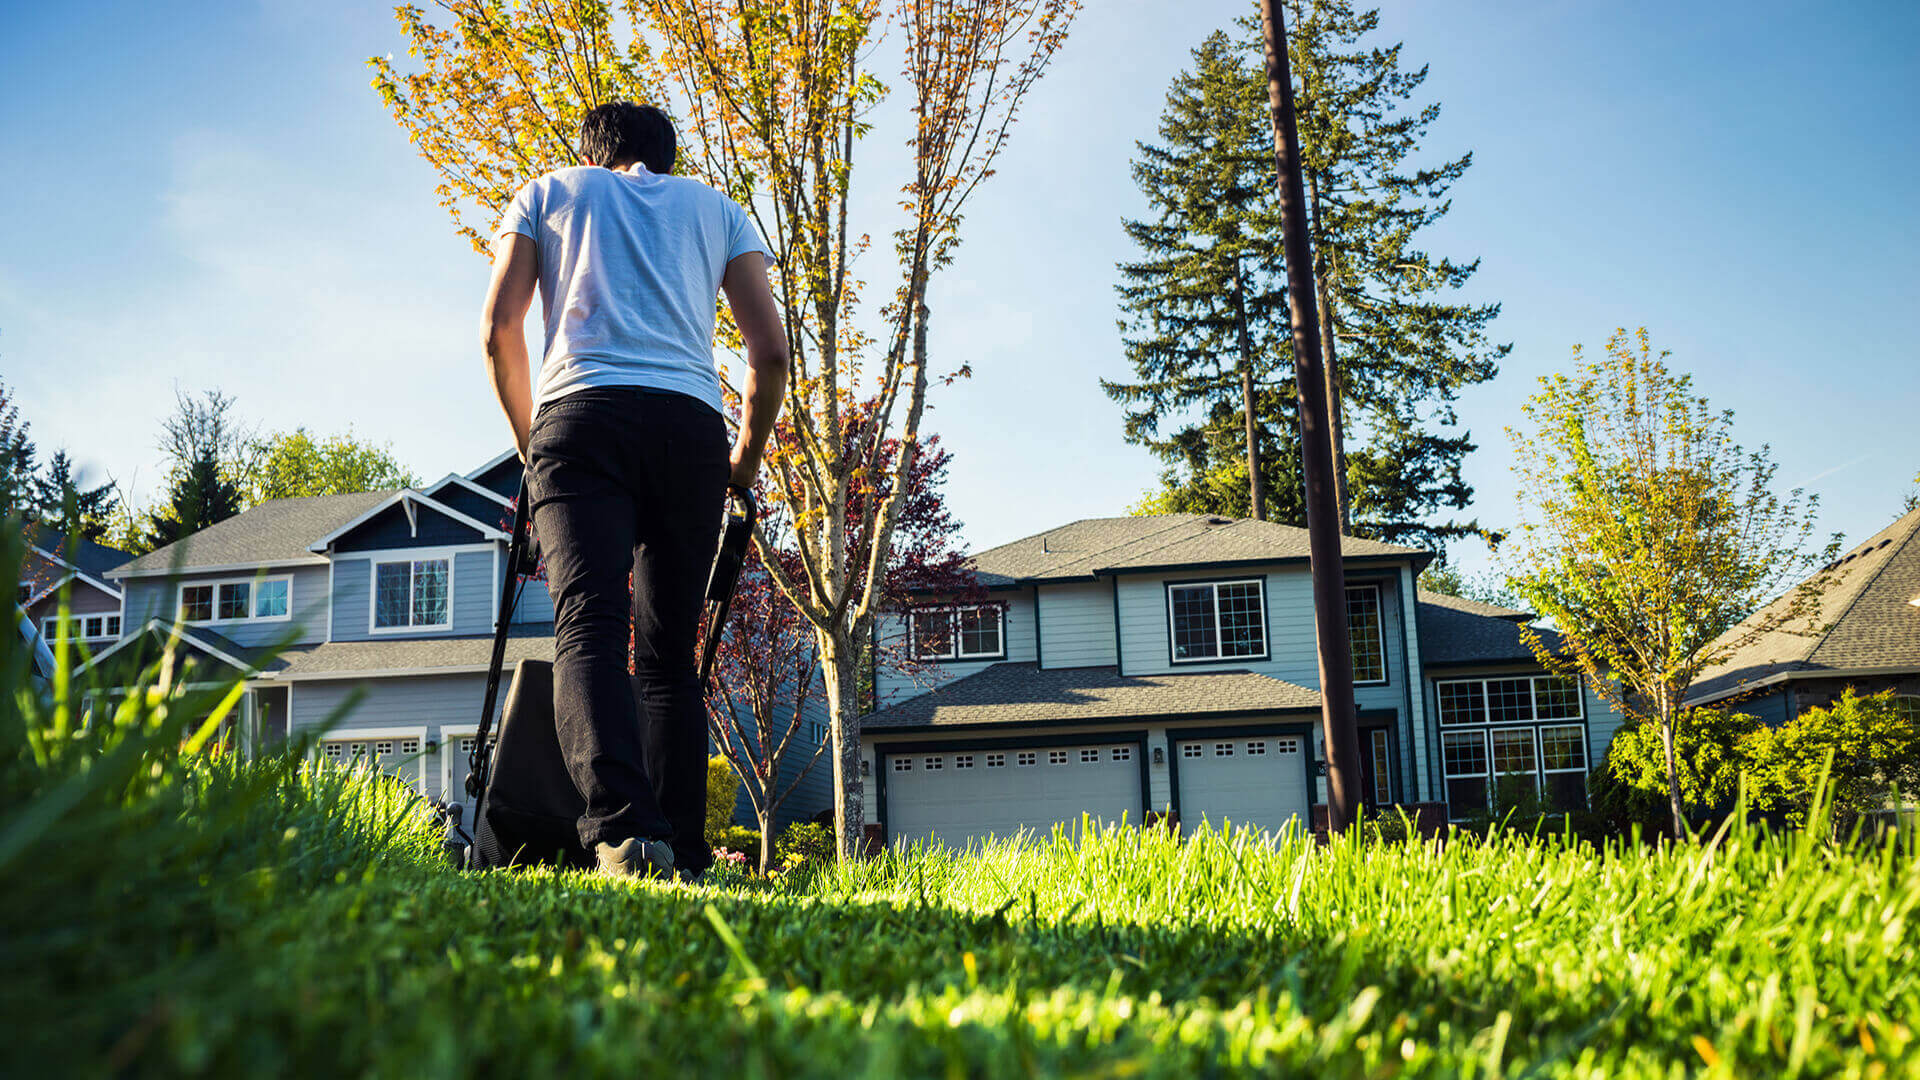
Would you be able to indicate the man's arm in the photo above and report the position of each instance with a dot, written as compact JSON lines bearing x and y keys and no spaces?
{"x":516,"y":266}
{"x":751,"y":299}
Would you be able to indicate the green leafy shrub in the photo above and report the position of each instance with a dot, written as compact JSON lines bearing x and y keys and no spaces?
{"x":804,"y":846}
{"x":1873,"y":748}
{"x":738,"y":838}
{"x":1706,"y":749}
{"x":723,"y":792}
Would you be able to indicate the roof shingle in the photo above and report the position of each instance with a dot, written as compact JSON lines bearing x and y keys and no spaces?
{"x":1099,"y":545}
{"x":277,"y":530}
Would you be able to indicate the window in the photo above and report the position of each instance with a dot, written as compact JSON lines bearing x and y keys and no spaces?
{"x":1026,"y":757}
{"x":411,"y":595}
{"x":466,"y":745}
{"x":968,"y":633}
{"x":383,"y":747}
{"x":113,"y":626}
{"x":963,"y":761}
{"x":1367,"y":634}
{"x":903,"y":764}
{"x":1286,"y":746}
{"x":1090,"y":756}
{"x":335,"y":751}
{"x":1513,"y":735}
{"x":1217,"y":620}
{"x":996,"y":761}
{"x":933,"y":764}
{"x":1056,"y":757}
{"x":235,"y":600}
{"x":1223,"y":749}
{"x":196,"y":603}
{"x":1907,"y":707}
{"x":1123,"y":753}
{"x":1257,"y":747}
{"x":1382,"y":767}
{"x":1191,"y":749}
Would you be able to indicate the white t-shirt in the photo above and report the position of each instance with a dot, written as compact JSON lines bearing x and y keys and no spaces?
{"x":630,"y":269}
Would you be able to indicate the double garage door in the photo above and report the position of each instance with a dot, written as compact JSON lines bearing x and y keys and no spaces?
{"x":958,"y":797}
{"x":1258,"y":780}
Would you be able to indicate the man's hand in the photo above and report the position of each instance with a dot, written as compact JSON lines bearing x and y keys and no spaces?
{"x":754,"y":312}
{"x":516,"y":273}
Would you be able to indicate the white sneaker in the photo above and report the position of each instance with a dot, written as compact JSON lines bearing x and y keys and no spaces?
{"x":635,"y":858}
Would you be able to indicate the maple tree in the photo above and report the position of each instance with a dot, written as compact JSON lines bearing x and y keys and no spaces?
{"x":771,"y":99}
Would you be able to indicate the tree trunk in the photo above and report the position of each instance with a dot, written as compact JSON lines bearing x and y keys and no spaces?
{"x":1673,"y":771}
{"x":765,"y":816}
{"x":838,"y":662}
{"x":1257,"y":490}
{"x":1336,"y":419}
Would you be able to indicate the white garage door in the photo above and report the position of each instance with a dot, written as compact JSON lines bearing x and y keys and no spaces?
{"x":1258,"y":780}
{"x":970,"y":795}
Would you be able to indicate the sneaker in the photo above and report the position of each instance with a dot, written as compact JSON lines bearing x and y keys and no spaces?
{"x":635,"y":858}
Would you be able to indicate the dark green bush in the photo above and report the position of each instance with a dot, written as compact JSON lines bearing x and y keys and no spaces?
{"x":805,"y":845}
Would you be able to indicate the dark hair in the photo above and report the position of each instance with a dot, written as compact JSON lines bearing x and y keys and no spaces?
{"x":622,"y":132}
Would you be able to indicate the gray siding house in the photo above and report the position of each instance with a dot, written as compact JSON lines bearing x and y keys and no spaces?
{"x":1164,"y":667}
{"x":53,"y":560}
{"x":367,"y":616}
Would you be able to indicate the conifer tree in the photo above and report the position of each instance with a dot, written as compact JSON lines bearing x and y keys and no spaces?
{"x":204,"y":444}
{"x":1397,"y":348}
{"x":55,"y":489}
{"x":16,"y":458}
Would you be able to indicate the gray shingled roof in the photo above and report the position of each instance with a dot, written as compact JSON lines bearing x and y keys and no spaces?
{"x":77,"y":552}
{"x":1101,"y":545}
{"x":276,"y":530}
{"x":1455,"y":630}
{"x":535,"y":642}
{"x":1022,"y":693}
{"x":1866,"y":619}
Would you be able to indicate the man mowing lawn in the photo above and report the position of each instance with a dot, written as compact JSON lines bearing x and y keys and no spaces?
{"x":627,"y":458}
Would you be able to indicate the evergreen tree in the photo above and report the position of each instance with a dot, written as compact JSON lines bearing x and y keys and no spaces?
{"x":204,"y":445}
{"x":16,"y":458}
{"x":1397,"y":351}
{"x":54,"y":490}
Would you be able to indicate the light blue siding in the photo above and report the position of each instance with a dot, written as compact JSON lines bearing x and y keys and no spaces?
{"x":1146,"y":633}
{"x":893,"y":685}
{"x":428,"y":702}
{"x":1076,"y":625}
{"x":473,"y":583}
{"x":158,"y":598}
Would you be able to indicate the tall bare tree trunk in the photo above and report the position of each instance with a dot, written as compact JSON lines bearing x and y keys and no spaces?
{"x":1257,"y":493}
{"x":1673,"y":770}
{"x":839,"y":660}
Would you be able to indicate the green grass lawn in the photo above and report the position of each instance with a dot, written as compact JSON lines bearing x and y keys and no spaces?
{"x":275,"y":919}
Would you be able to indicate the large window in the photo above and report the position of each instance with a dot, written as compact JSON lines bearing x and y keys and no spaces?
{"x":1367,"y":634}
{"x":411,"y":595}
{"x":238,"y":600}
{"x":1524,"y":735}
{"x":967,"y":633}
{"x":1217,"y":620}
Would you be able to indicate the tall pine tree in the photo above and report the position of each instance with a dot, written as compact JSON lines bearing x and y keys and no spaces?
{"x":1398,"y":348}
{"x":204,"y":444}
{"x":16,"y":459}
{"x":55,"y":490}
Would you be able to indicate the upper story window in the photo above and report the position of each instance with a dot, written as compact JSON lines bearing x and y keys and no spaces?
{"x":235,"y":601}
{"x":1218,"y":620}
{"x":1368,"y":634}
{"x":966,"y":633}
{"x":92,"y":627}
{"x":412,"y":594}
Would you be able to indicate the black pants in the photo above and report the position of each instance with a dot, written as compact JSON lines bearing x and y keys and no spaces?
{"x":624,"y":479}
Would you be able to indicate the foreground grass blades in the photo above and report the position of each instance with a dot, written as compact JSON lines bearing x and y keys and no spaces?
{"x":316,"y":933}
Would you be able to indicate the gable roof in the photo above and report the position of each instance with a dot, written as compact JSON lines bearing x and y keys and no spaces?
{"x":77,"y":552}
{"x":1456,"y":631}
{"x":1095,"y":546}
{"x":1016,"y":693}
{"x":1868,"y":618}
{"x":405,"y":497}
{"x":275,"y":532}
{"x":242,"y":659}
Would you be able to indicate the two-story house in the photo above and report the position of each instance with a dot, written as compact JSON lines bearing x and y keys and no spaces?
{"x":53,"y":560}
{"x":1145,"y":666}
{"x":368,"y":616}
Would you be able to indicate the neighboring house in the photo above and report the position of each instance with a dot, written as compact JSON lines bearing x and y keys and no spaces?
{"x":1146,"y":666}
{"x":371,"y":615}
{"x":1865,"y":634}
{"x":53,"y":560}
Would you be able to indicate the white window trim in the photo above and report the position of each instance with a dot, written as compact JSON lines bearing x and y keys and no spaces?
{"x":953,"y":652}
{"x":1533,"y":702}
{"x":1485,"y":726}
{"x":1266,"y":643}
{"x":1380,"y":624}
{"x":409,"y":556}
{"x":50,"y":626}
{"x":253,"y":594}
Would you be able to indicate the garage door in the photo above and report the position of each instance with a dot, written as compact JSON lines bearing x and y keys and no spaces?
{"x":1249,"y":780}
{"x":966,"y":796}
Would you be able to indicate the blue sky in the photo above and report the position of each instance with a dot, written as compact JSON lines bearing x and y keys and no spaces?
{"x":211,"y":195}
